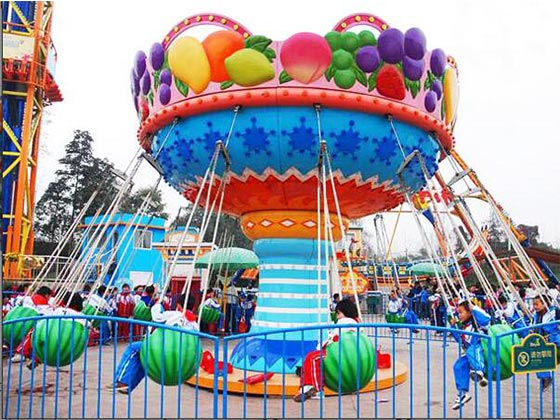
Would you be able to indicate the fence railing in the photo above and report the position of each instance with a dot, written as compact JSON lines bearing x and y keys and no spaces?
{"x":71,"y":372}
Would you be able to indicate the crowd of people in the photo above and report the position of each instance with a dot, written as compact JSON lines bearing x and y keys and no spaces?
{"x":473,"y":311}
{"x":120,"y":303}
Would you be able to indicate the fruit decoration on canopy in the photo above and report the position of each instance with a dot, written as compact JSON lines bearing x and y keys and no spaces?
{"x":393,"y":65}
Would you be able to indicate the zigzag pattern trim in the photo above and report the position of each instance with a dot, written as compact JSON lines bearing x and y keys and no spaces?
{"x":294,"y":172}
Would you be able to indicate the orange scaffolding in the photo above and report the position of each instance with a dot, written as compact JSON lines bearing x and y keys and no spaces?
{"x":27,"y":74}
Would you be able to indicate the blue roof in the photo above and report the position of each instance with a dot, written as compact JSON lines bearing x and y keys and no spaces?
{"x":123,"y":218}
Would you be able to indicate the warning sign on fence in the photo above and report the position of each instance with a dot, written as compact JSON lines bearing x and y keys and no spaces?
{"x":534,"y":354}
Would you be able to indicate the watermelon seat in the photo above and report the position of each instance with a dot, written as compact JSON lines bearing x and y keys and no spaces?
{"x":350,"y":361}
{"x":59,"y":342}
{"x":15,"y":332}
{"x":170,"y":357}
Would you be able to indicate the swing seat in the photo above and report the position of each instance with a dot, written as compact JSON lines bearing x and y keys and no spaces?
{"x":207,"y":364}
{"x":16,"y":332}
{"x":383,"y":360}
{"x":355,"y":356}
{"x":91,"y":310}
{"x":59,"y":342}
{"x":142,"y":312}
{"x":170,"y":357}
{"x":505,"y":357}
{"x":334,"y":318}
{"x":394,"y":318}
{"x":209,"y":315}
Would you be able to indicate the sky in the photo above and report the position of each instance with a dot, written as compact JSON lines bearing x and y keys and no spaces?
{"x":507,"y":51}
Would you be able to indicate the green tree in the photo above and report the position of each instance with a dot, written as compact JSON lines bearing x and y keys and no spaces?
{"x":132,"y":202}
{"x":52,"y":212}
{"x":80,"y":175}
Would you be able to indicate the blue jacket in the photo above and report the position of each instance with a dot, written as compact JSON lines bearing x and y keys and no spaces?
{"x":466,"y":340}
{"x":548,"y":329}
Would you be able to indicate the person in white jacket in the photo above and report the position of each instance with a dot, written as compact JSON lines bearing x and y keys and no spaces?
{"x":129,"y":372}
{"x":311,"y":378}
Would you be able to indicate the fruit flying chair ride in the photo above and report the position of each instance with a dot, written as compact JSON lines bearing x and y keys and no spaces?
{"x":294,"y":138}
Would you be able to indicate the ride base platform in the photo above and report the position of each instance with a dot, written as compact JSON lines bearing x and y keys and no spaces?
{"x":289,"y":384}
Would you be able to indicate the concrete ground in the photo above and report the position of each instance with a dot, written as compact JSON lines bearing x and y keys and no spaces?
{"x":79,"y":391}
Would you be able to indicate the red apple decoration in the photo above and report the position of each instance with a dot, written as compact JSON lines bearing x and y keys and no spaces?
{"x":305,"y":56}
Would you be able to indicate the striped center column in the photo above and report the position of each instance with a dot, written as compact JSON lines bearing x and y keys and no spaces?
{"x":292,"y":293}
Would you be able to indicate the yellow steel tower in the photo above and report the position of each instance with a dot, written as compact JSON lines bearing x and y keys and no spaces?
{"x":28,"y":63}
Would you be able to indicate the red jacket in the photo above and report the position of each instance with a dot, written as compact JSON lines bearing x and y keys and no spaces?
{"x":40,"y":300}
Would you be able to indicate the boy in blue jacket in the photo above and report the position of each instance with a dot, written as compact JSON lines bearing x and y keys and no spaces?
{"x":550,"y":331}
{"x":471,"y":363}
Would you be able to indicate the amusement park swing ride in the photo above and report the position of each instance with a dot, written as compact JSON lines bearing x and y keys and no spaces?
{"x":296,"y":138}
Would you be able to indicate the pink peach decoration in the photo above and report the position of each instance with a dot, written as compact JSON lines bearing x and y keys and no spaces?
{"x":305,"y":56}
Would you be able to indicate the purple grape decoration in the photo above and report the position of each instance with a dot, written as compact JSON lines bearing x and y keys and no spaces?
{"x":430,"y":101}
{"x":368,"y":58}
{"x":145,"y":83}
{"x":164,"y":94}
{"x":413,"y":69}
{"x":140,"y":63}
{"x":437,"y":88}
{"x":391,"y":46}
{"x":415,"y":43}
{"x":134,"y":83}
{"x":437,"y":62}
{"x":157,"y":56}
{"x":165,"y":77}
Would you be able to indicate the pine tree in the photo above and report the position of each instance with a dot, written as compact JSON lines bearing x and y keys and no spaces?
{"x":132,"y":202}
{"x":52,"y":212}
{"x":80,"y":175}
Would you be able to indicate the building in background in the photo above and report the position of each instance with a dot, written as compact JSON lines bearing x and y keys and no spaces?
{"x":167,"y":247}
{"x":129,"y":249}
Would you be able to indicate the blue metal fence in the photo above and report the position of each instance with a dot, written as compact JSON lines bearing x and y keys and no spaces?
{"x":419,"y":382}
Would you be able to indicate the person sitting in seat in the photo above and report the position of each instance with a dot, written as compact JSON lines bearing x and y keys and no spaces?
{"x":129,"y":372}
{"x":549,"y":330}
{"x":210,"y":302}
{"x":471,"y":363}
{"x":312,"y":376}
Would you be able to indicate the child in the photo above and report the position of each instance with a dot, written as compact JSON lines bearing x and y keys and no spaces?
{"x":550,"y":331}
{"x":210,"y":302}
{"x":394,"y":307}
{"x":438,"y":310}
{"x":148,"y":296}
{"x":312,"y":376}
{"x":129,"y":371}
{"x":471,"y":364}
{"x":508,"y":312}
{"x":125,"y":309}
{"x":138,"y":290}
{"x":334,"y":302}
{"x":6,"y":304}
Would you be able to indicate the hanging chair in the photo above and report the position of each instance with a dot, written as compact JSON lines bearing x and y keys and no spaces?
{"x":59,"y":342}
{"x":351,"y":359}
{"x":14,"y":333}
{"x":506,"y":344}
{"x":142,"y":312}
{"x":92,"y":310}
{"x":394,"y":318}
{"x":178,"y":363}
{"x":209,"y":315}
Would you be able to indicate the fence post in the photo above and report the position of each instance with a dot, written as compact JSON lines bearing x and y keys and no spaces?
{"x":224,"y":376}
{"x":216,"y":374}
{"x":498,"y":382}
{"x":489,"y":371}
